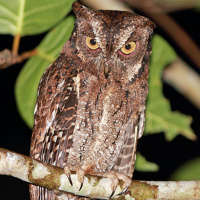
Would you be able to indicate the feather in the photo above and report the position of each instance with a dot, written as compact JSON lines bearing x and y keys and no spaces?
{"x":126,"y":160}
{"x":54,"y":120}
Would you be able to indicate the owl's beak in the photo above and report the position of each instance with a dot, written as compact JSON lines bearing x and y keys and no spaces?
{"x":106,"y":70}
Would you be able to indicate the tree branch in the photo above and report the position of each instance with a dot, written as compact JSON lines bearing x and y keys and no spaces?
{"x":51,"y":177}
{"x":8,"y":58}
{"x":184,"y":79}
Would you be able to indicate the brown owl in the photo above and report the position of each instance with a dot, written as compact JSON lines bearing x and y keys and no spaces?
{"x":90,"y":108}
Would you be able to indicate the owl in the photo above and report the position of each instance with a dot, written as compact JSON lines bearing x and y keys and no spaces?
{"x":90,"y":108}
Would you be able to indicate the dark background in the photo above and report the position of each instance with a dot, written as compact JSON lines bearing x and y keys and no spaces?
{"x":15,"y":135}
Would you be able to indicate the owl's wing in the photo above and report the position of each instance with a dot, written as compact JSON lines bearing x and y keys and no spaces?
{"x":126,"y":160}
{"x":55,"y":116}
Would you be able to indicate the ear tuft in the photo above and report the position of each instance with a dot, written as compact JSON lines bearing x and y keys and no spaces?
{"x":79,"y":10}
{"x":77,"y":6}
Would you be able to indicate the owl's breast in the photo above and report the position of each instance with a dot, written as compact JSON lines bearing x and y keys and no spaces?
{"x":101,"y":125}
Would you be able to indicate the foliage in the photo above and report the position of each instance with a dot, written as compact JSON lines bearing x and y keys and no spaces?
{"x":143,"y":165}
{"x":30,"y":75}
{"x":159,"y":117}
{"x":187,"y":171}
{"x":28,"y":17}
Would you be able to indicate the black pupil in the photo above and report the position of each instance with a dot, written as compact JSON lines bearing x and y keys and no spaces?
{"x":92,"y":42}
{"x":127,"y":46}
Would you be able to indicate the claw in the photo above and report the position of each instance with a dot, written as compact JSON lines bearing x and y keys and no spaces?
{"x":123,"y":191}
{"x":113,"y":192}
{"x":80,"y":173}
{"x":115,"y":177}
{"x":68,"y":172}
{"x":81,"y":186}
{"x":57,"y":192}
{"x":70,"y":180}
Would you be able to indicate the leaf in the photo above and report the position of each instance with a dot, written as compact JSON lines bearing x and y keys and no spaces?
{"x":28,"y":17}
{"x":159,"y":117}
{"x":143,"y":165}
{"x":188,"y":171}
{"x":29,"y":77}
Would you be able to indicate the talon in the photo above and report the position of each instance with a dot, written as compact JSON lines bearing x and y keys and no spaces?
{"x":80,"y":173}
{"x":81,"y":186}
{"x":70,"y":180}
{"x":123,"y":191}
{"x":57,"y":192}
{"x":126,"y":179}
{"x":114,"y":180}
{"x":67,"y":173}
{"x":113,"y":192}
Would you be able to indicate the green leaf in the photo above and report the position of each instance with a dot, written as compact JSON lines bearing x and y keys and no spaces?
{"x":159,"y":117}
{"x":29,"y":77}
{"x":28,"y":17}
{"x":143,"y":165}
{"x":188,"y":171}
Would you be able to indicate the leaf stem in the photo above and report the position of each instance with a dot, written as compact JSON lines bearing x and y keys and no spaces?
{"x":16,"y":42}
{"x":27,"y":55}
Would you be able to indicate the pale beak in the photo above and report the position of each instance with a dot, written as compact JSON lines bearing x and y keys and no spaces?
{"x":106,"y":70}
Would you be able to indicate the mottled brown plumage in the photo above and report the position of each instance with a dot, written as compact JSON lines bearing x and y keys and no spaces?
{"x":90,"y":109}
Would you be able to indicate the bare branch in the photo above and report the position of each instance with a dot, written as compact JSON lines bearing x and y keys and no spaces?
{"x":166,"y":5}
{"x":106,"y":4}
{"x":184,"y":79}
{"x":8,"y":58}
{"x":51,"y":177}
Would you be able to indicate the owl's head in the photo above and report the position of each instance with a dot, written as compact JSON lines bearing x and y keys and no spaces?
{"x":112,"y":43}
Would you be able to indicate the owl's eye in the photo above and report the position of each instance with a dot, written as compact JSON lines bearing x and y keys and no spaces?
{"x":128,"y":48}
{"x":91,"y":43}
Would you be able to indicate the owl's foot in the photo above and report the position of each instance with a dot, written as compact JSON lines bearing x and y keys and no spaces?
{"x":57,"y":192}
{"x":115,"y":177}
{"x":79,"y":171}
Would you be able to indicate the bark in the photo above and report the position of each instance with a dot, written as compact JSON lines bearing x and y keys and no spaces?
{"x":51,"y":177}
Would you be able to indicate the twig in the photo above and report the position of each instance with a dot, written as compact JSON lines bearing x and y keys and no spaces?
{"x":8,"y":58}
{"x":184,"y":79}
{"x":51,"y":177}
{"x":27,"y":54}
{"x":106,"y":4}
{"x":166,"y":5}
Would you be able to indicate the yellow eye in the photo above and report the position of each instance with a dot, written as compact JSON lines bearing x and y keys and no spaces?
{"x":91,"y":43}
{"x":128,"y":48}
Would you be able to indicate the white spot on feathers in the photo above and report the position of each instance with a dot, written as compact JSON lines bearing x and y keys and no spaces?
{"x":137,"y":66}
{"x":54,"y":138}
{"x":53,"y":114}
{"x":60,"y":133}
{"x":141,"y":124}
{"x":61,"y":84}
{"x":105,"y":112}
{"x":35,"y":109}
{"x":77,"y":84}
